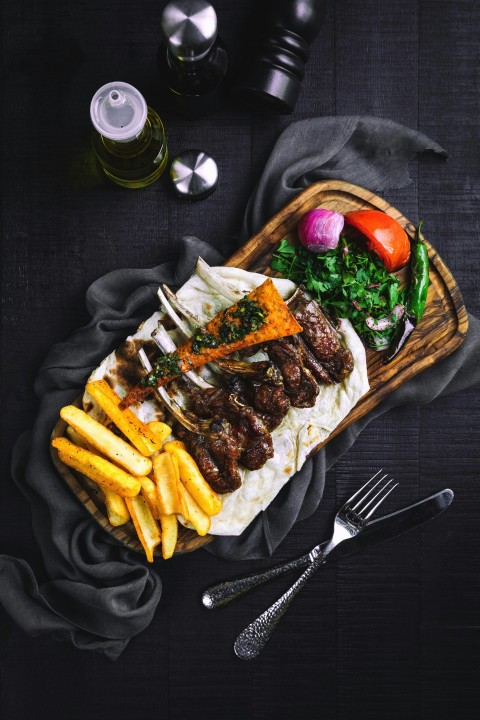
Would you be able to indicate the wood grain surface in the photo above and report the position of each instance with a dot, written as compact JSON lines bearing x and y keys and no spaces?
{"x":442,"y":330}
{"x":444,"y":324}
{"x":91,"y":496}
{"x":389,"y":635}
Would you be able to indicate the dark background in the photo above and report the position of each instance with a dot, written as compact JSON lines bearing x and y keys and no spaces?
{"x":394,"y":633}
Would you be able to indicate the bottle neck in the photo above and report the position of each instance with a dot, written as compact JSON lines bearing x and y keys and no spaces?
{"x":140,"y":141}
{"x":191,"y":64}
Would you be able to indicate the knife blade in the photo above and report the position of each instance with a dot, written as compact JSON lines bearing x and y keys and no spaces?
{"x":388,"y":527}
{"x":384,"y":528}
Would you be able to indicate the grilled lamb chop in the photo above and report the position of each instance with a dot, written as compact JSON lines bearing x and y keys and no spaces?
{"x":321,"y":337}
{"x":216,"y":456}
{"x":250,"y":432}
{"x":261,"y":384}
{"x":310,"y":361}
{"x":300,"y":384}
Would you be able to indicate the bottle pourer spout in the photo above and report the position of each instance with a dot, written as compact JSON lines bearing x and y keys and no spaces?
{"x":116,"y":98}
{"x":118,"y":111}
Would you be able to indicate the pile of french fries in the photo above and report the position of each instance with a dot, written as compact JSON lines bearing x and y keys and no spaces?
{"x":146,"y":480}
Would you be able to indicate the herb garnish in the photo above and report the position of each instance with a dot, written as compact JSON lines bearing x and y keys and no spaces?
{"x":348,"y":281}
{"x":203,"y":339}
{"x":166,"y":366}
{"x":251,"y":317}
{"x":247,"y":317}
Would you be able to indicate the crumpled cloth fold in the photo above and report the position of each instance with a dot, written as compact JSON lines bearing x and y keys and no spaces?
{"x":89,"y":589}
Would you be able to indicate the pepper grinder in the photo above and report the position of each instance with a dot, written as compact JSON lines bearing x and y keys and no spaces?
{"x":273,"y":78}
{"x":192,"y":60}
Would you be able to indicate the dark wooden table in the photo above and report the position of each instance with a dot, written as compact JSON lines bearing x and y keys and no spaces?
{"x":391,"y":634}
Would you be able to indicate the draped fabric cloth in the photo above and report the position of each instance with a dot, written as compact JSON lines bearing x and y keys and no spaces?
{"x":89,"y":589}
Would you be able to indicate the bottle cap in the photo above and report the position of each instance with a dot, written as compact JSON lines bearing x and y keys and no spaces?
{"x":118,"y":111}
{"x":189,"y":28}
{"x":194,"y":174}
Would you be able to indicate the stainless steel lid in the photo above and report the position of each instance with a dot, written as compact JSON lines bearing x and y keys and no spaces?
{"x":189,"y":28}
{"x":194,"y":174}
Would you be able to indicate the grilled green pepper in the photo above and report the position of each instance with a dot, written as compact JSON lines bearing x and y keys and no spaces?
{"x":415,"y":297}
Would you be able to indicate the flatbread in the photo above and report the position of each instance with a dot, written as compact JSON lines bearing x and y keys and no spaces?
{"x":301,"y":430}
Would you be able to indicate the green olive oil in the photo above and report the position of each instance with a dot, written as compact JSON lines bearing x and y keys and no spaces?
{"x":129,"y":138}
{"x":138,"y":162}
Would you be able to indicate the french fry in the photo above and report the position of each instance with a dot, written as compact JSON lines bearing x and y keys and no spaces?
{"x":195,"y":483}
{"x":139,"y":434}
{"x":106,"y":442}
{"x":146,"y":526}
{"x":170,"y":446}
{"x":76,"y":438}
{"x":169,"y":525}
{"x":102,"y":471}
{"x":160,"y":430}
{"x":116,"y":507}
{"x":182,"y":505}
{"x":165,"y":472}
{"x":198,"y":518}
{"x":117,"y":510}
{"x":149,"y":492}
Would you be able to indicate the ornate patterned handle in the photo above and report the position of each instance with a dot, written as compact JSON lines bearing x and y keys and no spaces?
{"x":253,"y":639}
{"x":225,"y":592}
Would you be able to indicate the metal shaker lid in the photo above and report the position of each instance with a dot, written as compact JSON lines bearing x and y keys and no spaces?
{"x":194,"y":174}
{"x":189,"y":28}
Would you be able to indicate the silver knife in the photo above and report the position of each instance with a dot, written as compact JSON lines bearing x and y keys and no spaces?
{"x":375,"y":532}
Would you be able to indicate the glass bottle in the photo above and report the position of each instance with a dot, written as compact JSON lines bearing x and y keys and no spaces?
{"x":192,"y":60}
{"x":129,"y":138}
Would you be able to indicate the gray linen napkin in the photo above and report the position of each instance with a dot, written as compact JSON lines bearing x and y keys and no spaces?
{"x":91,"y":590}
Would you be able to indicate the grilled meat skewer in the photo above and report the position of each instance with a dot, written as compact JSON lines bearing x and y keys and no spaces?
{"x":232,"y":430}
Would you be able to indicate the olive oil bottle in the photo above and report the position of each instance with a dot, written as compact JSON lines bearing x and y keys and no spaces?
{"x":192,"y":59}
{"x":129,"y":138}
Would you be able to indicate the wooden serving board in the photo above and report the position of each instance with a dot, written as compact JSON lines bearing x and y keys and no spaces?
{"x":91,"y":496}
{"x":444,"y":323}
{"x":441,"y":331}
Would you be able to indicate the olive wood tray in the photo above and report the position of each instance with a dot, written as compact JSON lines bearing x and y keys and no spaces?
{"x":441,"y":331}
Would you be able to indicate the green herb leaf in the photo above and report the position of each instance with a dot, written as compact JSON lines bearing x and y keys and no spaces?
{"x":348,"y":281}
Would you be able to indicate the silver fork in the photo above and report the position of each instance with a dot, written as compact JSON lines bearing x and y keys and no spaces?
{"x":349,"y":521}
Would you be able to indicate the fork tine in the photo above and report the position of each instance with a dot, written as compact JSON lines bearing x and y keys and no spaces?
{"x":365,"y":495}
{"x":364,"y":507}
{"x":380,"y":501}
{"x":362,"y":499}
{"x":363,"y":486}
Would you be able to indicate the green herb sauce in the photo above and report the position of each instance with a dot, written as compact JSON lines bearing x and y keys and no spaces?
{"x":247,"y":317}
{"x":202,"y":339}
{"x":165,"y":366}
{"x":251,"y":317}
